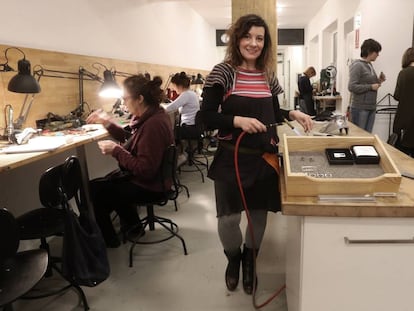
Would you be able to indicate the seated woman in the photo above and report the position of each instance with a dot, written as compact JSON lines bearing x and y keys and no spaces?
{"x":140,"y":153}
{"x":187,"y":104}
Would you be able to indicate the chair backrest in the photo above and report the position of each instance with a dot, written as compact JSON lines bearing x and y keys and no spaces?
{"x":49,"y":187}
{"x":72,"y":181}
{"x":62,"y":183}
{"x":9,"y":235}
{"x":168,"y":173}
{"x":199,"y":123}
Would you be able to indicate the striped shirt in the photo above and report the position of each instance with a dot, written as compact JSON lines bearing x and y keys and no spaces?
{"x":250,"y":84}
{"x":225,"y":75}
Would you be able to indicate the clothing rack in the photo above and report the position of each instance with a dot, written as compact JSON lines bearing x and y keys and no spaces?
{"x":387,"y":108}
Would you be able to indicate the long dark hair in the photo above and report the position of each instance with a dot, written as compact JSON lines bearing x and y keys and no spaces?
{"x":408,"y":57}
{"x":237,"y":31}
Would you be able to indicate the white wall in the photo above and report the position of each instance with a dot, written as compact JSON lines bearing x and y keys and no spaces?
{"x":168,"y":33}
{"x":388,"y":22}
{"x":391,"y":24}
{"x":330,"y":18}
{"x":293,"y":65}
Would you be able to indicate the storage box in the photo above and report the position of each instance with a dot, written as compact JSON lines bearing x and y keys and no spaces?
{"x":307,"y":182}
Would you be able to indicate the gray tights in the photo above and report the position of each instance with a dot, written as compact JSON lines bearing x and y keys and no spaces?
{"x":230,"y":233}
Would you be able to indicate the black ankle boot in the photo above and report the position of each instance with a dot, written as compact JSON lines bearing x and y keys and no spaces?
{"x":248,"y":270}
{"x":233,"y":270}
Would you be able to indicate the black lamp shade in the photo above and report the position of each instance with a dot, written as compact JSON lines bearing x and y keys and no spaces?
{"x":198,"y":80}
{"x":110,"y":89}
{"x":24,"y":82}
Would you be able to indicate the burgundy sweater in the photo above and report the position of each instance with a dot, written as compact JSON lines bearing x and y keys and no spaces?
{"x":142,"y":152}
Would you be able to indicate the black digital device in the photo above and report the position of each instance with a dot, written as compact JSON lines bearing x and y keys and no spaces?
{"x":342,"y":156}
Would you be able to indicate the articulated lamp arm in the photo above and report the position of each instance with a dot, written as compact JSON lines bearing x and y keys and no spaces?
{"x":38,"y":73}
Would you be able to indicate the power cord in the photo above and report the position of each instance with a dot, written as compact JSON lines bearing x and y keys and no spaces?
{"x":250,"y":227}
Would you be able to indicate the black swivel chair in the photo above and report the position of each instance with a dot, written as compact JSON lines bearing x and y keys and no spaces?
{"x":194,"y":137}
{"x":49,"y":220}
{"x":19,"y":271}
{"x":168,"y":173}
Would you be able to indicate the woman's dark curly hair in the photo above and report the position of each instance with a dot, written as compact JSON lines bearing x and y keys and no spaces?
{"x":181,"y":79}
{"x":237,"y":31}
{"x":137,"y":85}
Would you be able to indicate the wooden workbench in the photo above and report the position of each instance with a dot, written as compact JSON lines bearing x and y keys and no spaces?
{"x":351,"y":255}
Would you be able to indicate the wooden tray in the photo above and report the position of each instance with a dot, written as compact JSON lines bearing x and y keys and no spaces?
{"x":301,"y":184}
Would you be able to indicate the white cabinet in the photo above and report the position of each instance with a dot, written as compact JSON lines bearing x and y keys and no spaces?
{"x":324,"y":273}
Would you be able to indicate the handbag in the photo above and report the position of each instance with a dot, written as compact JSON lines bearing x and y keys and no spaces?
{"x":84,"y":258}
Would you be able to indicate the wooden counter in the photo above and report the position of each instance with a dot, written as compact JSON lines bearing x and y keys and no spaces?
{"x":11,"y":161}
{"x":358,"y":259}
{"x":76,"y":143}
{"x":401,"y":206}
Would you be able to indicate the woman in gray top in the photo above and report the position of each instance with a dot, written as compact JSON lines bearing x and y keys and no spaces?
{"x":364,"y":84}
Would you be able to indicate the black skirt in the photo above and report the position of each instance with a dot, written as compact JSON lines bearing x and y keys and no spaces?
{"x":264,"y":194}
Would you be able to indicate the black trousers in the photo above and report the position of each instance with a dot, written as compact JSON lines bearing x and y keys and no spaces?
{"x":186,"y":132}
{"x":307,"y":105}
{"x":122,"y":196}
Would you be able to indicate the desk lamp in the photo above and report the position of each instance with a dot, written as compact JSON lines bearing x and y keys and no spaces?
{"x":22,"y":82}
{"x":80,"y":75}
{"x":109,"y":88}
{"x":198,"y":82}
{"x":85,"y":75}
{"x":197,"y":79}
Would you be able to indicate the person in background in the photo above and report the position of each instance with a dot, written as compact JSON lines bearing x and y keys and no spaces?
{"x":364,"y":84}
{"x":404,"y":93}
{"x":306,"y":91}
{"x":139,"y":153}
{"x":240,"y":95}
{"x":187,"y":104}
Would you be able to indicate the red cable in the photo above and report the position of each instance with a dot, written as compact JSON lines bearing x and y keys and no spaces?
{"x":250,"y":226}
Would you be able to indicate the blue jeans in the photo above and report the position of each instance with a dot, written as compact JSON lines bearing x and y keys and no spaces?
{"x":363,"y":118}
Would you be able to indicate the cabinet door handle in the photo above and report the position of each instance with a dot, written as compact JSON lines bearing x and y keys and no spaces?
{"x":377,"y":241}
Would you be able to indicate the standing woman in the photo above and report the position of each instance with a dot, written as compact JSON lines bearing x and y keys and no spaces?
{"x":404,"y":93}
{"x":140,"y":152}
{"x":240,"y":95}
{"x":364,"y":84}
{"x":306,"y":91}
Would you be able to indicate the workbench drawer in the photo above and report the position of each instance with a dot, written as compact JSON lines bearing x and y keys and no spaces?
{"x":356,"y":264}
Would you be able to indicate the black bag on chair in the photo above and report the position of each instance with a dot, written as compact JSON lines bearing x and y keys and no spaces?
{"x":85,"y":260}
{"x":84,"y":257}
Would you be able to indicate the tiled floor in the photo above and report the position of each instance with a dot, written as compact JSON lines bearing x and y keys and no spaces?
{"x":163,"y":278}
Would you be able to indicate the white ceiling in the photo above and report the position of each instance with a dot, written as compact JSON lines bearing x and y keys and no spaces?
{"x":292,"y":13}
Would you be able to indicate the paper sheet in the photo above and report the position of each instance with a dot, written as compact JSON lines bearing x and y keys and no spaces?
{"x":36,"y":144}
